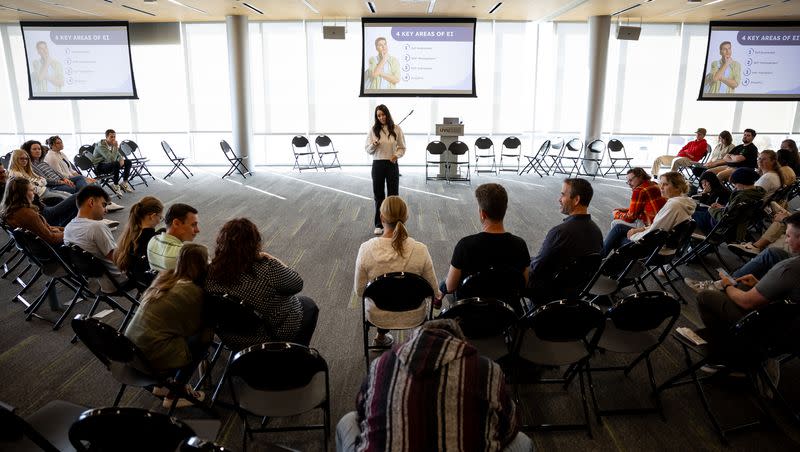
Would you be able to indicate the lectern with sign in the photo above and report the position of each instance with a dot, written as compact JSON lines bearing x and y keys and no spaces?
{"x":448,"y":133}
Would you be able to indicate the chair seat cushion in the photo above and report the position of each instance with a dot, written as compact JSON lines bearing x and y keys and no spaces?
{"x":549,"y":353}
{"x":623,"y":341}
{"x":281,"y":403}
{"x":53,"y":421}
{"x":392,"y":320}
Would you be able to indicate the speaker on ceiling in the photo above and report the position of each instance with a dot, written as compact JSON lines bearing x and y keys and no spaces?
{"x":332,"y":32}
{"x":627,"y":33}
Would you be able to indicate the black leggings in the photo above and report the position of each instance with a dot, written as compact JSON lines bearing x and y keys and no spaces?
{"x":114,"y":167}
{"x":384,"y":172}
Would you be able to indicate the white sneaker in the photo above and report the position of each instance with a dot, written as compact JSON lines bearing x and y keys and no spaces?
{"x":117,"y":189}
{"x":113,"y":207}
{"x":378,"y":231}
{"x":127,"y":187}
{"x":699,"y":286}
{"x":183,"y":403}
{"x":746,"y":247}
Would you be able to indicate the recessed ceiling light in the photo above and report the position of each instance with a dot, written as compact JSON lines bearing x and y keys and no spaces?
{"x":371,"y":7}
{"x":430,"y":6}
{"x":252,"y":7}
{"x":310,"y":6}
{"x":495,"y":7}
{"x":187,"y":6}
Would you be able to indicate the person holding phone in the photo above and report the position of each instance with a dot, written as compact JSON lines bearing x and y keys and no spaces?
{"x":386,"y":144}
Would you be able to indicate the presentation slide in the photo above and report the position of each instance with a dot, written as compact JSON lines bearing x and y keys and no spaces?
{"x":78,"y":60}
{"x":752,"y":61}
{"x":414,"y":57}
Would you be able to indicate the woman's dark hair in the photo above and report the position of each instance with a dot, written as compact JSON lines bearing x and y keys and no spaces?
{"x":712,"y":179}
{"x":727,"y":138}
{"x":376,"y":128}
{"x":26,"y":146}
{"x":238,"y":247}
{"x":788,"y":158}
{"x":15,"y":197}
{"x":52,"y":140}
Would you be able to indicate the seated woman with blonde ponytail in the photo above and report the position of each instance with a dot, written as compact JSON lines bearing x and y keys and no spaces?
{"x":144,"y":216}
{"x":393,"y":251}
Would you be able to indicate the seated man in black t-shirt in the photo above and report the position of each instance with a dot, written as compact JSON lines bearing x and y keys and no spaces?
{"x":492,"y":247}
{"x":743,"y":155}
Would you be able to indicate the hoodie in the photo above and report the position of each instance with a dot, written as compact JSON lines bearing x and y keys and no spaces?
{"x":675,"y":211}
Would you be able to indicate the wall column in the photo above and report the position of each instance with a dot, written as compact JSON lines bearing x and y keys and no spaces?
{"x":239,"y":70}
{"x":599,"y":29}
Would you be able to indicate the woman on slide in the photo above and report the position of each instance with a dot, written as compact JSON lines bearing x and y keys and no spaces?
{"x":386,"y":144}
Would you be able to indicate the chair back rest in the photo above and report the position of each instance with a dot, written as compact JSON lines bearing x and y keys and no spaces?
{"x":575,"y":145}
{"x":86,"y":148}
{"x":129,"y":147}
{"x":614,"y":145}
{"x":436,"y":148}
{"x":4,"y":160}
{"x":458,"y":148}
{"x":596,"y":147}
{"x":782,"y":194}
{"x":512,"y":143}
{"x":226,"y":149}
{"x":168,"y":150}
{"x":653,"y":241}
{"x":481,"y":318}
{"x":543,"y":149}
{"x":84,"y":263}
{"x":322,"y":141}
{"x":39,"y":251}
{"x":503,"y":284}
{"x":299,"y":141}
{"x":557,"y":146}
{"x":296,"y":366}
{"x":229,"y":315}
{"x":106,"y":343}
{"x":680,"y":236}
{"x":570,"y":280}
{"x":127,"y":430}
{"x":398,"y":291}
{"x":768,"y":331}
{"x":83,"y":162}
{"x":565,"y":321}
{"x":644,"y":311}
{"x":484,"y":143}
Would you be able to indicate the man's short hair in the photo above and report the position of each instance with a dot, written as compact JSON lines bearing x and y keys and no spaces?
{"x":492,"y":200}
{"x":793,"y":219}
{"x":640,"y":173}
{"x":110,"y":131}
{"x":580,"y":187}
{"x":723,"y":43}
{"x":752,"y":132}
{"x":178,"y":212}
{"x":91,"y":191}
{"x":380,"y":38}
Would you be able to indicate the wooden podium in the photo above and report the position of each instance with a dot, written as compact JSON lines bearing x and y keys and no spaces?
{"x":448,"y":133}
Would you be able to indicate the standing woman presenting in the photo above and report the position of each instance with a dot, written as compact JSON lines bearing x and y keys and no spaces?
{"x":386,"y":144}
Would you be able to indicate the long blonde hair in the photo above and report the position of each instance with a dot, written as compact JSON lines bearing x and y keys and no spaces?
{"x":15,"y":165}
{"x":394,"y":213}
{"x":133,"y":230}
{"x":774,"y":165}
{"x":191,"y":265}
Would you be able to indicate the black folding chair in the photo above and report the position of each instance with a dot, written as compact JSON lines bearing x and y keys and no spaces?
{"x":391,"y":294}
{"x":487,"y":323}
{"x":503,"y":284}
{"x":568,"y":282}
{"x":83,"y":161}
{"x":536,"y":161}
{"x":767,"y":333}
{"x":596,"y":151}
{"x":560,"y":333}
{"x":554,"y":154}
{"x":484,"y":150}
{"x":675,"y":245}
{"x":280,"y":379}
{"x":325,"y":147}
{"x":301,"y":148}
{"x":45,"y":430}
{"x":510,"y":149}
{"x":457,"y":149}
{"x":638,"y":324}
{"x":433,"y":159}
{"x":177,"y":162}
{"x":237,"y":162}
{"x":617,"y":155}
{"x":138,"y":162}
{"x":572,"y":153}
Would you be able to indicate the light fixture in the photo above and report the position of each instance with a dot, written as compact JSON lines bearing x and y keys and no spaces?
{"x":252,"y":7}
{"x":310,"y":6}
{"x":139,"y":10}
{"x":494,"y":8}
{"x":430,"y":6}
{"x":69,"y":7}
{"x":23,"y":11}
{"x":371,"y":7}
{"x":187,"y":6}
{"x":563,"y":10}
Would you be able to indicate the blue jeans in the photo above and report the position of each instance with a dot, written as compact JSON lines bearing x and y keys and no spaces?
{"x":704,"y":221}
{"x":616,"y":237}
{"x":760,"y":265}
{"x":79,"y":182}
{"x":61,"y":213}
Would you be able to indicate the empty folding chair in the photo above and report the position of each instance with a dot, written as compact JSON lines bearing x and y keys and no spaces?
{"x":237,"y":162}
{"x":484,"y":151}
{"x":458,"y":149}
{"x":570,"y":157}
{"x":325,"y":148}
{"x":301,"y":149}
{"x":510,"y":150}
{"x":138,"y":161}
{"x":589,"y":164}
{"x":536,"y":161}
{"x":46,"y":429}
{"x":435,"y":150}
{"x":616,"y":156}
{"x":177,"y":162}
{"x":554,"y":155}
{"x":487,"y":323}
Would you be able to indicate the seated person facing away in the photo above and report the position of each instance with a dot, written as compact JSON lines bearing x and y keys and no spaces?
{"x":719,"y":309}
{"x":743,"y":180}
{"x":20,"y":166}
{"x":646,"y":200}
{"x":692,"y":152}
{"x":393,"y":251}
{"x":240,"y":268}
{"x":168,"y":326}
{"x":711,"y":190}
{"x":723,"y":147}
{"x":89,"y":232}
{"x":182,"y":226}
{"x":142,"y":220}
{"x":744,"y":155}
{"x":677,"y":209}
{"x":41,"y":168}
{"x":60,"y":163}
{"x":772,"y":178}
{"x":492,"y":247}
{"x":576,"y":236}
{"x":108,"y":159}
{"x":433,"y":393}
